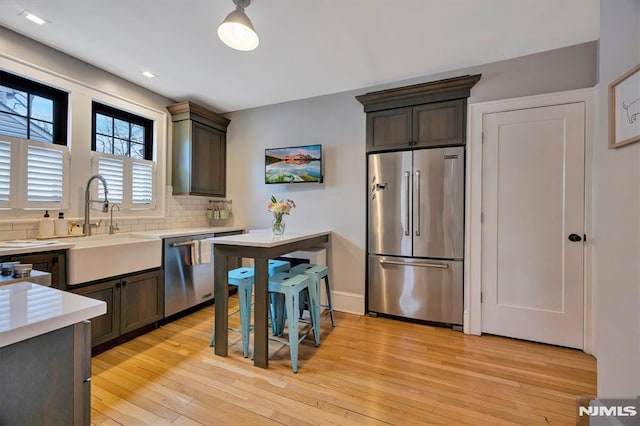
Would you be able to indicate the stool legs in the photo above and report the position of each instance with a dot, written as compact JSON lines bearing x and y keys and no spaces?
{"x":245,"y":319}
{"x":292,"y":305}
{"x":329,"y":305}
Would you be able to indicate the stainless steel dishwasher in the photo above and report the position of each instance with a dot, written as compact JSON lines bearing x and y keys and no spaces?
{"x":185,"y":285}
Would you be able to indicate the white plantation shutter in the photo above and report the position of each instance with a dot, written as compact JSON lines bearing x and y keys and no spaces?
{"x":5,"y":173}
{"x":45,"y":175}
{"x":130,"y":181}
{"x":142,"y":172}
{"x":112,"y":169}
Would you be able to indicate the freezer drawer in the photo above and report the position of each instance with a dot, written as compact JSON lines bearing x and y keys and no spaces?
{"x":423,"y":289}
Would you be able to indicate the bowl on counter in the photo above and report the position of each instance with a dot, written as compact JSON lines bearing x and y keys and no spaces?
{"x":22,"y":270}
{"x":6,"y":268}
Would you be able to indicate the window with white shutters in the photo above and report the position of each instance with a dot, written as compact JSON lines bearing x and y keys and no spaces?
{"x":122,"y":151}
{"x":33,"y":175}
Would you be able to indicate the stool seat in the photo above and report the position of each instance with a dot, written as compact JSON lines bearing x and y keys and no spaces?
{"x":309,"y":269}
{"x":290,"y":285}
{"x":277,"y":266}
{"x":318,"y":272}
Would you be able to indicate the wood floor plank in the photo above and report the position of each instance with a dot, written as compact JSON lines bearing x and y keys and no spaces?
{"x":366,"y":371}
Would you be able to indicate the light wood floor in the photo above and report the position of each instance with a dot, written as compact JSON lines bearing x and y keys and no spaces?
{"x":366,"y":371}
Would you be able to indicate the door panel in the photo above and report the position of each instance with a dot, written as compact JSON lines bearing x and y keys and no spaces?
{"x":413,"y":288}
{"x":390,"y":203}
{"x":533,"y":198}
{"x":439,"y":203}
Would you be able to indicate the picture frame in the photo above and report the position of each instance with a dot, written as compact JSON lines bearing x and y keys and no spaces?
{"x":624,"y":109}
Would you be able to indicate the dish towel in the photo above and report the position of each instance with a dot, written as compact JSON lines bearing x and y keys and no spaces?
{"x":200,"y":252}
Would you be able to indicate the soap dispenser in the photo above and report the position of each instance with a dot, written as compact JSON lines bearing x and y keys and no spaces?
{"x":46,"y":228}
{"x":61,"y":226}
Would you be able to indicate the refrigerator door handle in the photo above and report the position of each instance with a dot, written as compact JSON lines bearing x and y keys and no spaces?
{"x":423,"y":265}
{"x":417,"y":203}
{"x":407,"y":176}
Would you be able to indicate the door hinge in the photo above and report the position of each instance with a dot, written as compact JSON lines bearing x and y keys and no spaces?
{"x":585,"y":238}
{"x":481,"y":297}
{"x":481,"y":218}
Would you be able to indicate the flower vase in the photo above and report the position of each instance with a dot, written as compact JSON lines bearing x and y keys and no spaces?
{"x":277,"y":226}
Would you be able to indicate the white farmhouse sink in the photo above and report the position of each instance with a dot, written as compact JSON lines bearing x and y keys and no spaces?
{"x":104,"y":256}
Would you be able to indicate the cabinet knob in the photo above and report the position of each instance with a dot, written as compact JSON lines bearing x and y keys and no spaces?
{"x":124,"y":283}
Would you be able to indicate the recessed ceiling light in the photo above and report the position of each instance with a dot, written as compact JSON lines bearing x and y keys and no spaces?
{"x":33,"y":18}
{"x":149,"y":74}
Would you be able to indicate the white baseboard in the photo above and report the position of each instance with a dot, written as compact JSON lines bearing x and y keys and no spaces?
{"x":350,"y":303}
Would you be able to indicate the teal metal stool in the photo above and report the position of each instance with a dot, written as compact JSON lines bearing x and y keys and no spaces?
{"x":243,"y":279}
{"x":276,"y":266}
{"x":290,"y":286}
{"x":318,"y":272}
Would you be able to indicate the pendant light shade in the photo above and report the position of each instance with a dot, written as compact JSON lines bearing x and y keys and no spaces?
{"x":236,"y":31}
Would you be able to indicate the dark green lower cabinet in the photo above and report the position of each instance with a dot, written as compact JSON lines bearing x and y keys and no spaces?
{"x":45,"y":379}
{"x":133,"y":301}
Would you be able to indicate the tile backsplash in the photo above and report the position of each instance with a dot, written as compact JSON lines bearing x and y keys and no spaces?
{"x":182,"y":211}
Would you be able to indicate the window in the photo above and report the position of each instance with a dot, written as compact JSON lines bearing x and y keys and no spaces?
{"x":121,"y":133}
{"x":34,"y":159}
{"x":123,"y":156}
{"x":30,"y":110}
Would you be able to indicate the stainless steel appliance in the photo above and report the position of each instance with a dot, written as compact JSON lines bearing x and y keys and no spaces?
{"x":416,"y":234}
{"x":185,"y":285}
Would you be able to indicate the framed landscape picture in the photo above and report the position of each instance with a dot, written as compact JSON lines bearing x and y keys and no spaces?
{"x":624,"y":109}
{"x":295,"y":164}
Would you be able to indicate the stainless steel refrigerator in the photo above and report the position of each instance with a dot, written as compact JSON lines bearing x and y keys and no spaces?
{"x":416,"y":234}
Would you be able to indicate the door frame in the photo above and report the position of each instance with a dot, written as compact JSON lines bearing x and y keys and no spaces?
{"x":472,"y":320}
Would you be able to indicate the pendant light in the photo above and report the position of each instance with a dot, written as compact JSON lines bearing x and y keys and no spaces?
{"x":236,"y":31}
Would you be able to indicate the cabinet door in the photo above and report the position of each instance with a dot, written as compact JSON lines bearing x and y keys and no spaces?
{"x":440,"y":123}
{"x":52,"y":262}
{"x":389,"y":129}
{"x":141,"y":300}
{"x":208,"y":171}
{"x":107,"y":326}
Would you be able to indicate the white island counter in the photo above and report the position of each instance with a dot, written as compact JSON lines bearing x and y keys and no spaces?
{"x":28,"y":310}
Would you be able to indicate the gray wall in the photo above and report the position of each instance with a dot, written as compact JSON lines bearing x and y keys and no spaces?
{"x":616,"y":216}
{"x":338,"y":123}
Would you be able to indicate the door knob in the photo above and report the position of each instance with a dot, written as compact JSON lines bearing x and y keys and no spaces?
{"x":575,"y":238}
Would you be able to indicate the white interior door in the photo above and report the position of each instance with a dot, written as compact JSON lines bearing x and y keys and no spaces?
{"x":532,"y":203}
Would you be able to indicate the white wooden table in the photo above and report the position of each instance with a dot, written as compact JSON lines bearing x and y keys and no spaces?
{"x":260,"y":245}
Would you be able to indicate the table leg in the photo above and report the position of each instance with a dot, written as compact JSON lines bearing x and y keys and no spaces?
{"x":221,"y":295}
{"x":261,"y":291}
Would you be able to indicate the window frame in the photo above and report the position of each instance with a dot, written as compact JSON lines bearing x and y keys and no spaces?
{"x":115,"y":113}
{"x":59,"y":98}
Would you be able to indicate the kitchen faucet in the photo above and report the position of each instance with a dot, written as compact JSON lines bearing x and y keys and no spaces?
{"x":86,"y":226}
{"x":113,"y":228}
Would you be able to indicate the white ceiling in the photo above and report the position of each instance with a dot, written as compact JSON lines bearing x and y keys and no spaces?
{"x":307,"y":47}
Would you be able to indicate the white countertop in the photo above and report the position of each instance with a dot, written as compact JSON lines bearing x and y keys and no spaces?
{"x":168,"y":233}
{"x":28,"y":310}
{"x":265,"y":238}
{"x":34,"y":246}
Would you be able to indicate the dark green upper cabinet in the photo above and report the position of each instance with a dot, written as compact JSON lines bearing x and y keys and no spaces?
{"x":199,"y":162}
{"x":423,"y":115}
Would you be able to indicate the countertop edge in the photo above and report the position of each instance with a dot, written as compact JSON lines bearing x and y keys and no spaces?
{"x":265,"y":239}
{"x":86,"y":308}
